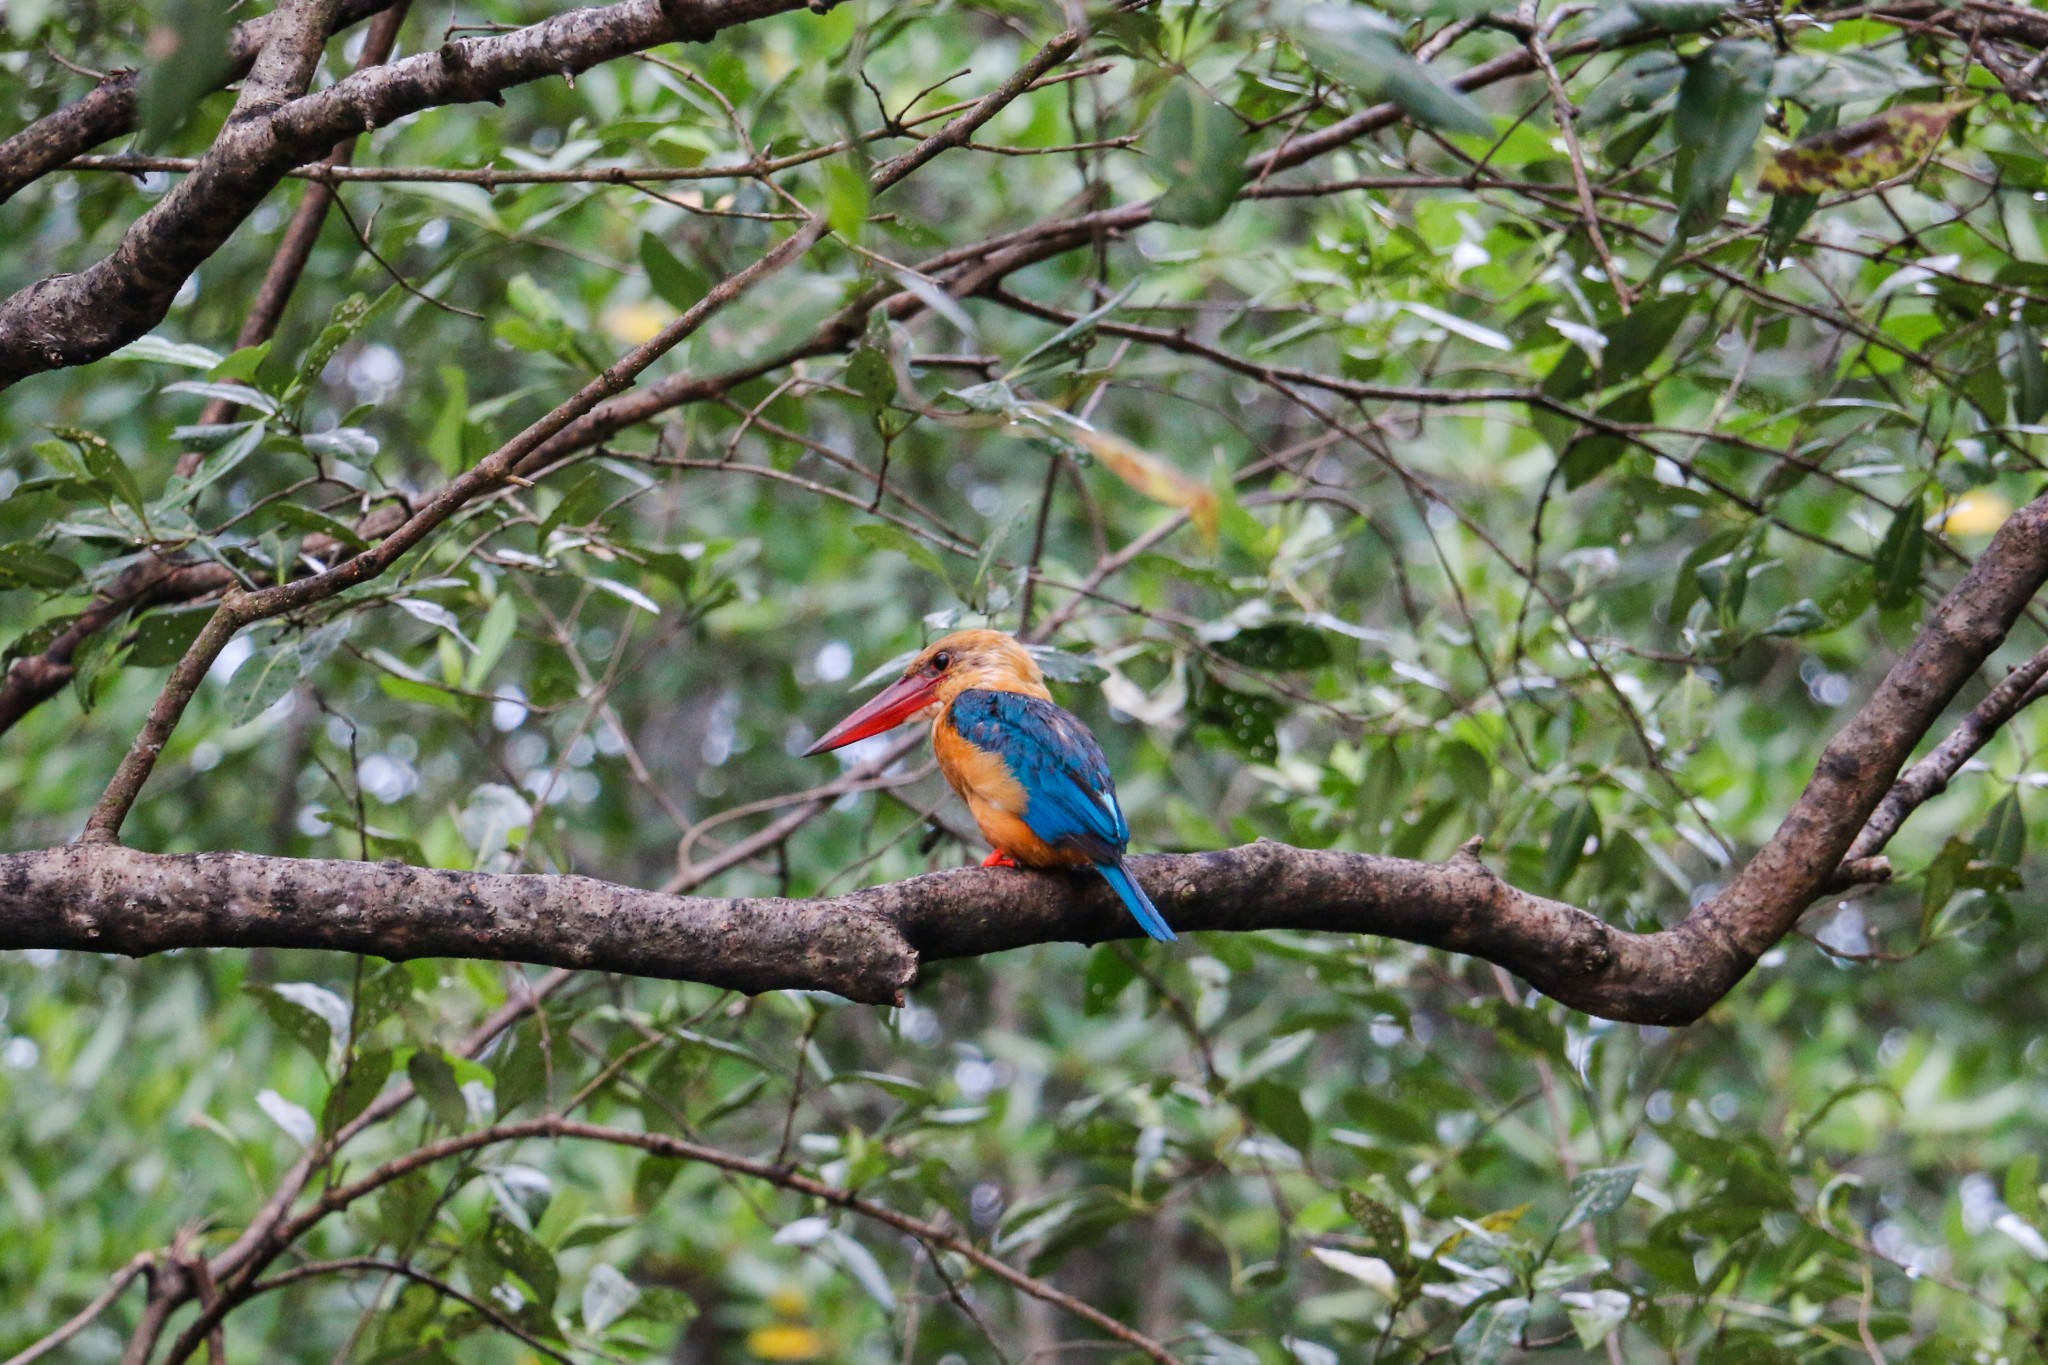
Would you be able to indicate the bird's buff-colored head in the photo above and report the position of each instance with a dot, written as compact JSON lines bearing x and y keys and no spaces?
{"x":986,"y":659}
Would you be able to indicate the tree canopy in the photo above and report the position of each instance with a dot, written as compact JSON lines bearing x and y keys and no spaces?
{"x":1538,"y":503}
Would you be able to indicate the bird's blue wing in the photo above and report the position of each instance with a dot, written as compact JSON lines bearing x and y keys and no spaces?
{"x":1057,"y":762}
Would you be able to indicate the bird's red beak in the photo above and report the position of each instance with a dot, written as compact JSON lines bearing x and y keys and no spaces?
{"x":889,"y":708}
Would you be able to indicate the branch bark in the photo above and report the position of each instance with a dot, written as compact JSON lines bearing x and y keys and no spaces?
{"x":296,"y":248}
{"x":109,"y":110}
{"x":75,"y":319}
{"x":870,"y":945}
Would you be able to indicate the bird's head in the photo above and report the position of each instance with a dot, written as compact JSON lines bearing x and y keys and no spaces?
{"x":944,"y":669}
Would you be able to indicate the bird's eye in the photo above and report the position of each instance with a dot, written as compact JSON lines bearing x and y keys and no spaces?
{"x":941,"y":661}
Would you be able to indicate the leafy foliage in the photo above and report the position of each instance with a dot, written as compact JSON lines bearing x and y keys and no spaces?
{"x":1367,"y":512}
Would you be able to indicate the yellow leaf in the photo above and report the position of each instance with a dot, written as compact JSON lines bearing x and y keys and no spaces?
{"x":630,"y":324}
{"x":1976,"y":513}
{"x":785,"y":1341}
{"x":1861,"y":155}
{"x":1155,"y":478}
{"x":1504,"y":1220}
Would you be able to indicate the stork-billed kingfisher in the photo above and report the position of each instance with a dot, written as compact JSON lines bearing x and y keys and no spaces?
{"x":1031,"y":774}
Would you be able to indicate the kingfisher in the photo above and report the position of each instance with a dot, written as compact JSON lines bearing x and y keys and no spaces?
{"x":1029,"y":770}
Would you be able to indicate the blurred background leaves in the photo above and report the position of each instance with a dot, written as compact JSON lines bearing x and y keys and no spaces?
{"x":1367,"y":514}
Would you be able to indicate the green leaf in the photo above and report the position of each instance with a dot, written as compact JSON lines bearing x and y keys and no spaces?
{"x":1277,"y":1108}
{"x":31,"y":566}
{"x":1685,"y":588}
{"x":2023,"y":1188}
{"x":447,"y":443}
{"x":103,"y":464}
{"x":239,"y":394}
{"x":1803,"y":617}
{"x":516,"y":1249}
{"x":1897,"y":563}
{"x":1351,"y":46}
{"x":310,"y":1028}
{"x":1110,"y":972}
{"x":1683,"y":16}
{"x":1985,"y":388}
{"x":493,"y":637}
{"x":607,"y":1297}
{"x":406,"y":1206}
{"x":2003,"y":840}
{"x":1469,"y":772}
{"x":305,"y":519}
{"x":1622,"y":148}
{"x":660,"y":1303}
{"x":1199,"y":148}
{"x":846,"y":197}
{"x":1721,"y":106}
{"x":2030,"y":376}
{"x":869,"y":374}
{"x":881,"y":535}
{"x":1491,"y":1332}
{"x":434,"y":1077}
{"x":1387,"y":1119}
{"x":1247,"y":722}
{"x":350,"y":316}
{"x":1789,"y":216}
{"x":678,"y":285}
{"x":1597,"y":1193}
{"x":1637,"y":340}
{"x":652,"y":1178}
{"x":241,"y":365}
{"x":1943,"y":877}
{"x":1568,"y":836}
{"x":1280,"y":646}
{"x":359,"y":1084}
{"x":1593,"y":452}
{"x":1061,"y":666}
{"x":1385,"y":1234}
{"x":260,"y":681}
{"x":1595,"y":1314}
{"x":188,"y":60}
{"x":161,"y":638}
{"x":163,"y":351}
{"x":520,"y":1072}
{"x":96,"y":661}
{"x":1634,"y":87}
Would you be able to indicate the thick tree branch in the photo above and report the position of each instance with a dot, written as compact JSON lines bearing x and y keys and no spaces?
{"x":74,"y":319}
{"x":239,"y":609}
{"x":869,"y":945}
{"x":33,"y":681}
{"x":110,"y":109}
{"x":104,"y":898}
{"x":282,"y":276}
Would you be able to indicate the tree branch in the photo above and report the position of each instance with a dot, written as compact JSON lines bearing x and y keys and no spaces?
{"x":869,"y":946}
{"x":110,"y":109}
{"x":282,"y":276}
{"x":74,"y":319}
{"x":1930,"y":777}
{"x":86,"y":1316}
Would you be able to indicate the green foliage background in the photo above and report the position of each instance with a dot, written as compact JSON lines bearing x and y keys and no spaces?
{"x":1436,"y":604}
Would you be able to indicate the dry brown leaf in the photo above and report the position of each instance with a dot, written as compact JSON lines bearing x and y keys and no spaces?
{"x":1155,"y":478}
{"x":1861,"y":155}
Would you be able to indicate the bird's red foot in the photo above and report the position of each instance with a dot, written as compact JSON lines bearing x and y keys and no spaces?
{"x":998,"y":859}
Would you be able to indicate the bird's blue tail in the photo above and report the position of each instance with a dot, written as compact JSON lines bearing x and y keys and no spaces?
{"x":1140,"y":905}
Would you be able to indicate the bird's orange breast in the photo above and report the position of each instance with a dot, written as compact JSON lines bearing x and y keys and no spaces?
{"x":995,"y":798}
